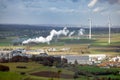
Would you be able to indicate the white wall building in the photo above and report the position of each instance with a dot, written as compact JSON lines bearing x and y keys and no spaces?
{"x":80,"y":59}
{"x":85,"y":59}
{"x":97,"y":58}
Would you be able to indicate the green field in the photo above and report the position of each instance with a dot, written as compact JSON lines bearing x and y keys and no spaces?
{"x":14,"y":73}
{"x":94,"y":69}
{"x":98,"y":44}
{"x":97,"y":40}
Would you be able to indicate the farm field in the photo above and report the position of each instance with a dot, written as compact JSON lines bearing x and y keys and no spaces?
{"x":33,"y":67}
{"x":96,"y":45}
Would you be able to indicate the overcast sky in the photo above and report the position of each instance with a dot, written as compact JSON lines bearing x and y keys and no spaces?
{"x":59,"y":11}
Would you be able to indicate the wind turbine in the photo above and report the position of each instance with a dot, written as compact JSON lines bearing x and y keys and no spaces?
{"x":90,"y":22}
{"x":109,"y":24}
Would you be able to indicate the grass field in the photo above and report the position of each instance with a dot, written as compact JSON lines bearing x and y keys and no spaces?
{"x":98,"y":44}
{"x":10,"y":76}
{"x":14,"y":73}
{"x":94,"y":69}
{"x":31,"y":67}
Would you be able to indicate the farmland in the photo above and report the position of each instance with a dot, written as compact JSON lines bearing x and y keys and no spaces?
{"x":32,"y":67}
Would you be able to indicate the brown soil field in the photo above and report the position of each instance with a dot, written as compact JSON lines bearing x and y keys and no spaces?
{"x":51,"y":74}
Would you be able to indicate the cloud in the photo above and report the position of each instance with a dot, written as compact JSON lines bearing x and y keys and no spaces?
{"x":111,"y":1}
{"x":75,"y":0}
{"x":118,"y":11}
{"x":64,"y":0}
{"x":114,"y":1}
{"x":4,"y":4}
{"x":96,"y":9}
{"x":55,"y":11}
{"x":65,"y":10}
{"x":99,"y":9}
{"x":92,"y":3}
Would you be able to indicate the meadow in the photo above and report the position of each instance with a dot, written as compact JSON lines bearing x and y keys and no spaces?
{"x":14,"y":73}
{"x":33,"y":67}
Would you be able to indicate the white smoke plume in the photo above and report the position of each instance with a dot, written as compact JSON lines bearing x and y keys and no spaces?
{"x":71,"y":33}
{"x":81,"y":32}
{"x":47,"y":39}
{"x":92,"y":3}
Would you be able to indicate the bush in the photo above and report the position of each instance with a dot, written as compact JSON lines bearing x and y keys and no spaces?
{"x":22,"y":73}
{"x":75,"y":76}
{"x":4,"y":68}
{"x":22,"y":67}
{"x":48,"y":60}
{"x":19,"y":59}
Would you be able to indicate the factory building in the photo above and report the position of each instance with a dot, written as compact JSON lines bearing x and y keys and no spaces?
{"x":85,"y":59}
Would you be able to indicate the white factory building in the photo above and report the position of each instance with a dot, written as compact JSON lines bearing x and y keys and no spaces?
{"x":85,"y":59}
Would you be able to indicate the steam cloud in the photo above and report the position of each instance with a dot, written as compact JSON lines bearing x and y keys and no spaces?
{"x":71,"y":33}
{"x":92,"y":3}
{"x":81,"y":32}
{"x":47,"y":39}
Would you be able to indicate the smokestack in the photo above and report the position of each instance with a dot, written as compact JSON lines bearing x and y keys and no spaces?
{"x":109,"y":25}
{"x":90,"y":22}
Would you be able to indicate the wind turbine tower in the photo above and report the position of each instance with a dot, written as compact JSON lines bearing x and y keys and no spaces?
{"x":109,"y":24}
{"x":90,"y":22}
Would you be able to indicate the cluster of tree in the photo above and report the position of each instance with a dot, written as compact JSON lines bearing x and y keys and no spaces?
{"x":19,"y":59}
{"x":21,"y":67}
{"x":4,"y":68}
{"x":79,"y":73}
{"x":50,"y":61}
{"x":45,"y":60}
{"x":105,"y":78}
{"x":106,"y":73}
{"x":15,"y":59}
